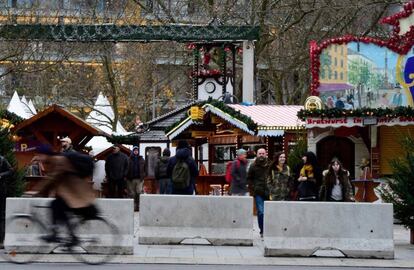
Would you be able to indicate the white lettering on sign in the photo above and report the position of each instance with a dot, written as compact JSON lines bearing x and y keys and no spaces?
{"x":357,"y":122}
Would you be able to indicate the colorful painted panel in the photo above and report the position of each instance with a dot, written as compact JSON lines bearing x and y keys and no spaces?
{"x":355,"y":75}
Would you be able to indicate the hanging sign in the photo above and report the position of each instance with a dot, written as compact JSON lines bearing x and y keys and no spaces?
{"x":358,"y":122}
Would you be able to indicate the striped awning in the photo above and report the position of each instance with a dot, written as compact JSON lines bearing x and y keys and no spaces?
{"x":272,"y":120}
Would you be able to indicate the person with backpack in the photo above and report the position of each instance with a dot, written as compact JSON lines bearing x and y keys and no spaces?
{"x":135,"y":176}
{"x":238,"y":185}
{"x":182,"y":170}
{"x":256,"y":178}
{"x":160,"y":172}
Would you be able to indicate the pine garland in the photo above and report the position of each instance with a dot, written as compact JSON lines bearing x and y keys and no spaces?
{"x":400,"y":188}
{"x":361,"y":112}
{"x":235,"y":114}
{"x":13,"y":118}
{"x":132,"y":139}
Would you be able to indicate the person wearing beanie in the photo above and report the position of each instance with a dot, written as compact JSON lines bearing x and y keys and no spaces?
{"x":239,"y":174}
{"x":183,"y":155}
{"x":160,"y":172}
{"x":135,"y":176}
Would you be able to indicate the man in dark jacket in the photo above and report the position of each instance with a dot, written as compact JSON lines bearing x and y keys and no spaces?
{"x":183,"y":154}
{"x":161,"y":172}
{"x":239,"y":174}
{"x":67,"y":145}
{"x":116,"y":169}
{"x":136,"y":174}
{"x":256,"y":178}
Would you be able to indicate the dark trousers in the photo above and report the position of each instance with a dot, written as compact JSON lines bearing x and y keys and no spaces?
{"x":116,"y":188}
{"x":61,"y":213}
{"x":165,"y":186}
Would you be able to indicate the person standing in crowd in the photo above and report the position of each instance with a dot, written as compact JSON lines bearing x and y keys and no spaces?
{"x":160,"y":172}
{"x":310,"y":178}
{"x":182,"y":170}
{"x":238,"y":185}
{"x":116,"y":169}
{"x":256,"y":177}
{"x":279,"y":180}
{"x":336,"y":186}
{"x":66,"y":145}
{"x":135,"y":177}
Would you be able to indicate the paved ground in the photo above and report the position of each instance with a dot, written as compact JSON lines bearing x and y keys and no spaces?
{"x":198,"y":252}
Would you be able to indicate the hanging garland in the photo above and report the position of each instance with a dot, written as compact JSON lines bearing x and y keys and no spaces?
{"x":400,"y":44}
{"x":225,"y":108}
{"x":14,"y":119}
{"x":132,"y":139}
{"x":234,"y":113}
{"x":362,"y":112}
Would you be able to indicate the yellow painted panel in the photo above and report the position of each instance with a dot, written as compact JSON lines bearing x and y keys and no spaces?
{"x":389,"y":143}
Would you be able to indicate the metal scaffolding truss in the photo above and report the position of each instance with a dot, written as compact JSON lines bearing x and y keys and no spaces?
{"x":127,"y":33}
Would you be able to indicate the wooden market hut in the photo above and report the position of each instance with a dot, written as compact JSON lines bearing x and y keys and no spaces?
{"x":46,"y":127}
{"x":216,"y":130}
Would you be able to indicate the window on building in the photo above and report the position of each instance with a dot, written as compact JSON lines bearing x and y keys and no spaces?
{"x":23,"y":3}
{"x":191,"y":7}
{"x":336,"y":75}
{"x":149,"y":4}
{"x":4,"y":3}
{"x":341,"y":75}
{"x":342,"y":62}
{"x":330,"y":75}
{"x":335,"y":62}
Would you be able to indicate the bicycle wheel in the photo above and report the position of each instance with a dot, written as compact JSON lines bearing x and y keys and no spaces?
{"x":22,"y":243}
{"x":98,"y":247}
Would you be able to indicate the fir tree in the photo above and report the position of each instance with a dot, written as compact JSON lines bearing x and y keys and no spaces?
{"x":11,"y":186}
{"x":400,"y":187}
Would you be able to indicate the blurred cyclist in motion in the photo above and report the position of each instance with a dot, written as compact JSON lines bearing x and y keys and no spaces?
{"x":67,"y":179}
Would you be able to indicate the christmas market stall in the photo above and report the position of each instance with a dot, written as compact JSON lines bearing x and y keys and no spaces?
{"x":46,"y":128}
{"x":361,"y":102}
{"x":215,"y":130}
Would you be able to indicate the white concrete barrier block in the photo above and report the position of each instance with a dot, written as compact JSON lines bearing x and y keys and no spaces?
{"x":119,"y":212}
{"x":358,"y":230}
{"x":170,"y":219}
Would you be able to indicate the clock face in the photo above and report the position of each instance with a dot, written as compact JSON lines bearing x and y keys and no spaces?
{"x":210,"y":87}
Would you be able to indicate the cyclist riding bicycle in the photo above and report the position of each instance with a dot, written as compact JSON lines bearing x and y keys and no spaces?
{"x":68,"y":180}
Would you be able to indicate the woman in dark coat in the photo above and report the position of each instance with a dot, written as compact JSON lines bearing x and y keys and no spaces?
{"x":310,"y":178}
{"x":336,"y":186}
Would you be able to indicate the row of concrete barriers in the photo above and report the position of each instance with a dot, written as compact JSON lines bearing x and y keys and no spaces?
{"x":358,"y":230}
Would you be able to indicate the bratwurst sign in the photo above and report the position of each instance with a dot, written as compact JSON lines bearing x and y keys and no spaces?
{"x":357,"y":122}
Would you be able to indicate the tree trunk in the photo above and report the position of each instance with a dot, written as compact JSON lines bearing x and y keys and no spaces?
{"x":412,"y":236}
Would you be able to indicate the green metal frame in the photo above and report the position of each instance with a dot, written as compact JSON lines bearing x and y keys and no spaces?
{"x":126,"y":33}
